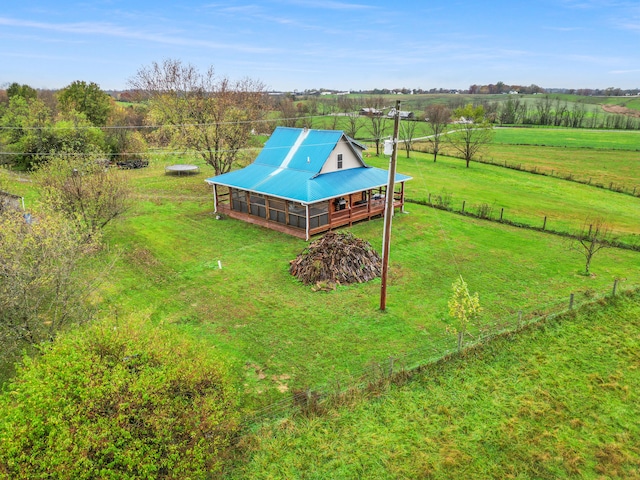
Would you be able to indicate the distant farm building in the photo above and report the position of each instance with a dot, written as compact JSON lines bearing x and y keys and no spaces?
{"x":370,"y":112}
{"x":305,"y":182}
{"x":404,"y":115}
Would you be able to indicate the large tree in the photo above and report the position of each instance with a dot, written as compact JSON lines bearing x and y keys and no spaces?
{"x":472,"y":132}
{"x":88,"y":99}
{"x":211,"y":115}
{"x":438,"y":117}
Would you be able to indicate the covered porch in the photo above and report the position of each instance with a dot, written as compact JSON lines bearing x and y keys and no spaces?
{"x":304,"y":220}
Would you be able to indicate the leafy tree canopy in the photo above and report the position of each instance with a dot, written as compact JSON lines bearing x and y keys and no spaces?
{"x":24,"y":91}
{"x":88,"y":99}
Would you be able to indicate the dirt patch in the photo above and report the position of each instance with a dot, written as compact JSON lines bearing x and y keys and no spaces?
{"x":620,"y":110}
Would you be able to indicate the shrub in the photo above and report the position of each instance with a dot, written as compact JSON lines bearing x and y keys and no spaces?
{"x":120,"y":403}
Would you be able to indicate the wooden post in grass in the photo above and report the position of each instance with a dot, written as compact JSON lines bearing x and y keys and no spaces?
{"x":501,"y":213}
{"x":571,"y":302}
{"x":463,"y":202}
{"x":544,"y":224}
{"x":615,"y":286}
{"x":388,"y":213}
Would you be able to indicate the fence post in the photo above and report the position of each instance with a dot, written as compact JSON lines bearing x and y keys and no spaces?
{"x":571,"y":302}
{"x":615,"y":286}
{"x":463,"y":202}
{"x":501,"y":212}
{"x":544,"y":224}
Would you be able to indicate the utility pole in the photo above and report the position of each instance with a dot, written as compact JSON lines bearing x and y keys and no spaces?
{"x":388,"y":211}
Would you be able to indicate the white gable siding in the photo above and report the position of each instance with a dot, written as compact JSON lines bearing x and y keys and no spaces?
{"x":349,"y":158}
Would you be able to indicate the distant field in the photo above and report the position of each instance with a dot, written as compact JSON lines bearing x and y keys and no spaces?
{"x":525,"y":197}
{"x":569,"y":138}
{"x":597,"y":167}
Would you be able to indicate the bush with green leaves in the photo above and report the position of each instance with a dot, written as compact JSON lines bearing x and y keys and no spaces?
{"x":41,"y":288}
{"x":118,"y":401}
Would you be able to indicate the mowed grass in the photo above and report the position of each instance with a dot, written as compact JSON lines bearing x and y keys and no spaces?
{"x":600,"y":157}
{"x":559,"y":401}
{"x":569,"y":138}
{"x":283,"y":336}
{"x":604,"y":168}
{"x":525,"y":198}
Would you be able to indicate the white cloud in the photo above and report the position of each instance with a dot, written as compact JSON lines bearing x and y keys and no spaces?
{"x":112,"y":30}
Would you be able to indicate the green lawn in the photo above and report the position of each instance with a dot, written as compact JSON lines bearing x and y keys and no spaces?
{"x":596,"y":167}
{"x":560,"y":401}
{"x":525,"y":198}
{"x":570,"y":138}
{"x":283,"y":336}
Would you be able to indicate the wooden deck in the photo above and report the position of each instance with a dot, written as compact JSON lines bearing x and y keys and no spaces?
{"x":346,"y":217}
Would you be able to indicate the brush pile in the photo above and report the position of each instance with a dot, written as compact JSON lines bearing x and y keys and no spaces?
{"x":336,"y":259}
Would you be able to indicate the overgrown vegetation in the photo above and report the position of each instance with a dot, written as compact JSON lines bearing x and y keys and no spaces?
{"x":120,"y":400}
{"x":41,"y":289}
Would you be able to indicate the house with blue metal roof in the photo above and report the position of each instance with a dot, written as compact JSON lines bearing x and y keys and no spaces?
{"x":305,"y":182}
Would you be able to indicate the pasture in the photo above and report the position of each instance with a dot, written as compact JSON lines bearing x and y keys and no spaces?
{"x":559,"y":401}
{"x":226,"y":284}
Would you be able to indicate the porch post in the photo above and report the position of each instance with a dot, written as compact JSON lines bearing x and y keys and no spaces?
{"x":215,"y":198}
{"x":307,"y":221}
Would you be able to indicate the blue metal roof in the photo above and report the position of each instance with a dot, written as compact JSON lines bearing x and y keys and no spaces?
{"x":288,"y":168}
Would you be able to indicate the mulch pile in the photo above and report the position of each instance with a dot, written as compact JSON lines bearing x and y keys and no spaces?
{"x":336,"y":259}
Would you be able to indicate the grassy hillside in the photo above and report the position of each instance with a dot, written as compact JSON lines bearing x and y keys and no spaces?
{"x":559,"y":401}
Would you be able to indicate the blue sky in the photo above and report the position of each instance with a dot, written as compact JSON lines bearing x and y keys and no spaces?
{"x":335,"y":44}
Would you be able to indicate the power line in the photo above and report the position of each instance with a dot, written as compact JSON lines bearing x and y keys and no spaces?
{"x":184,"y":125}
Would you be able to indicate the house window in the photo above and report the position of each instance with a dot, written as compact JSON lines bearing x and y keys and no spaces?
{"x":339,"y":160}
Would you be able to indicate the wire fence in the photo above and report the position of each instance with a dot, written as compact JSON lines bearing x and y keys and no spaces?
{"x":375,"y":376}
{"x":634,"y":191}
{"x":485,"y":211}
